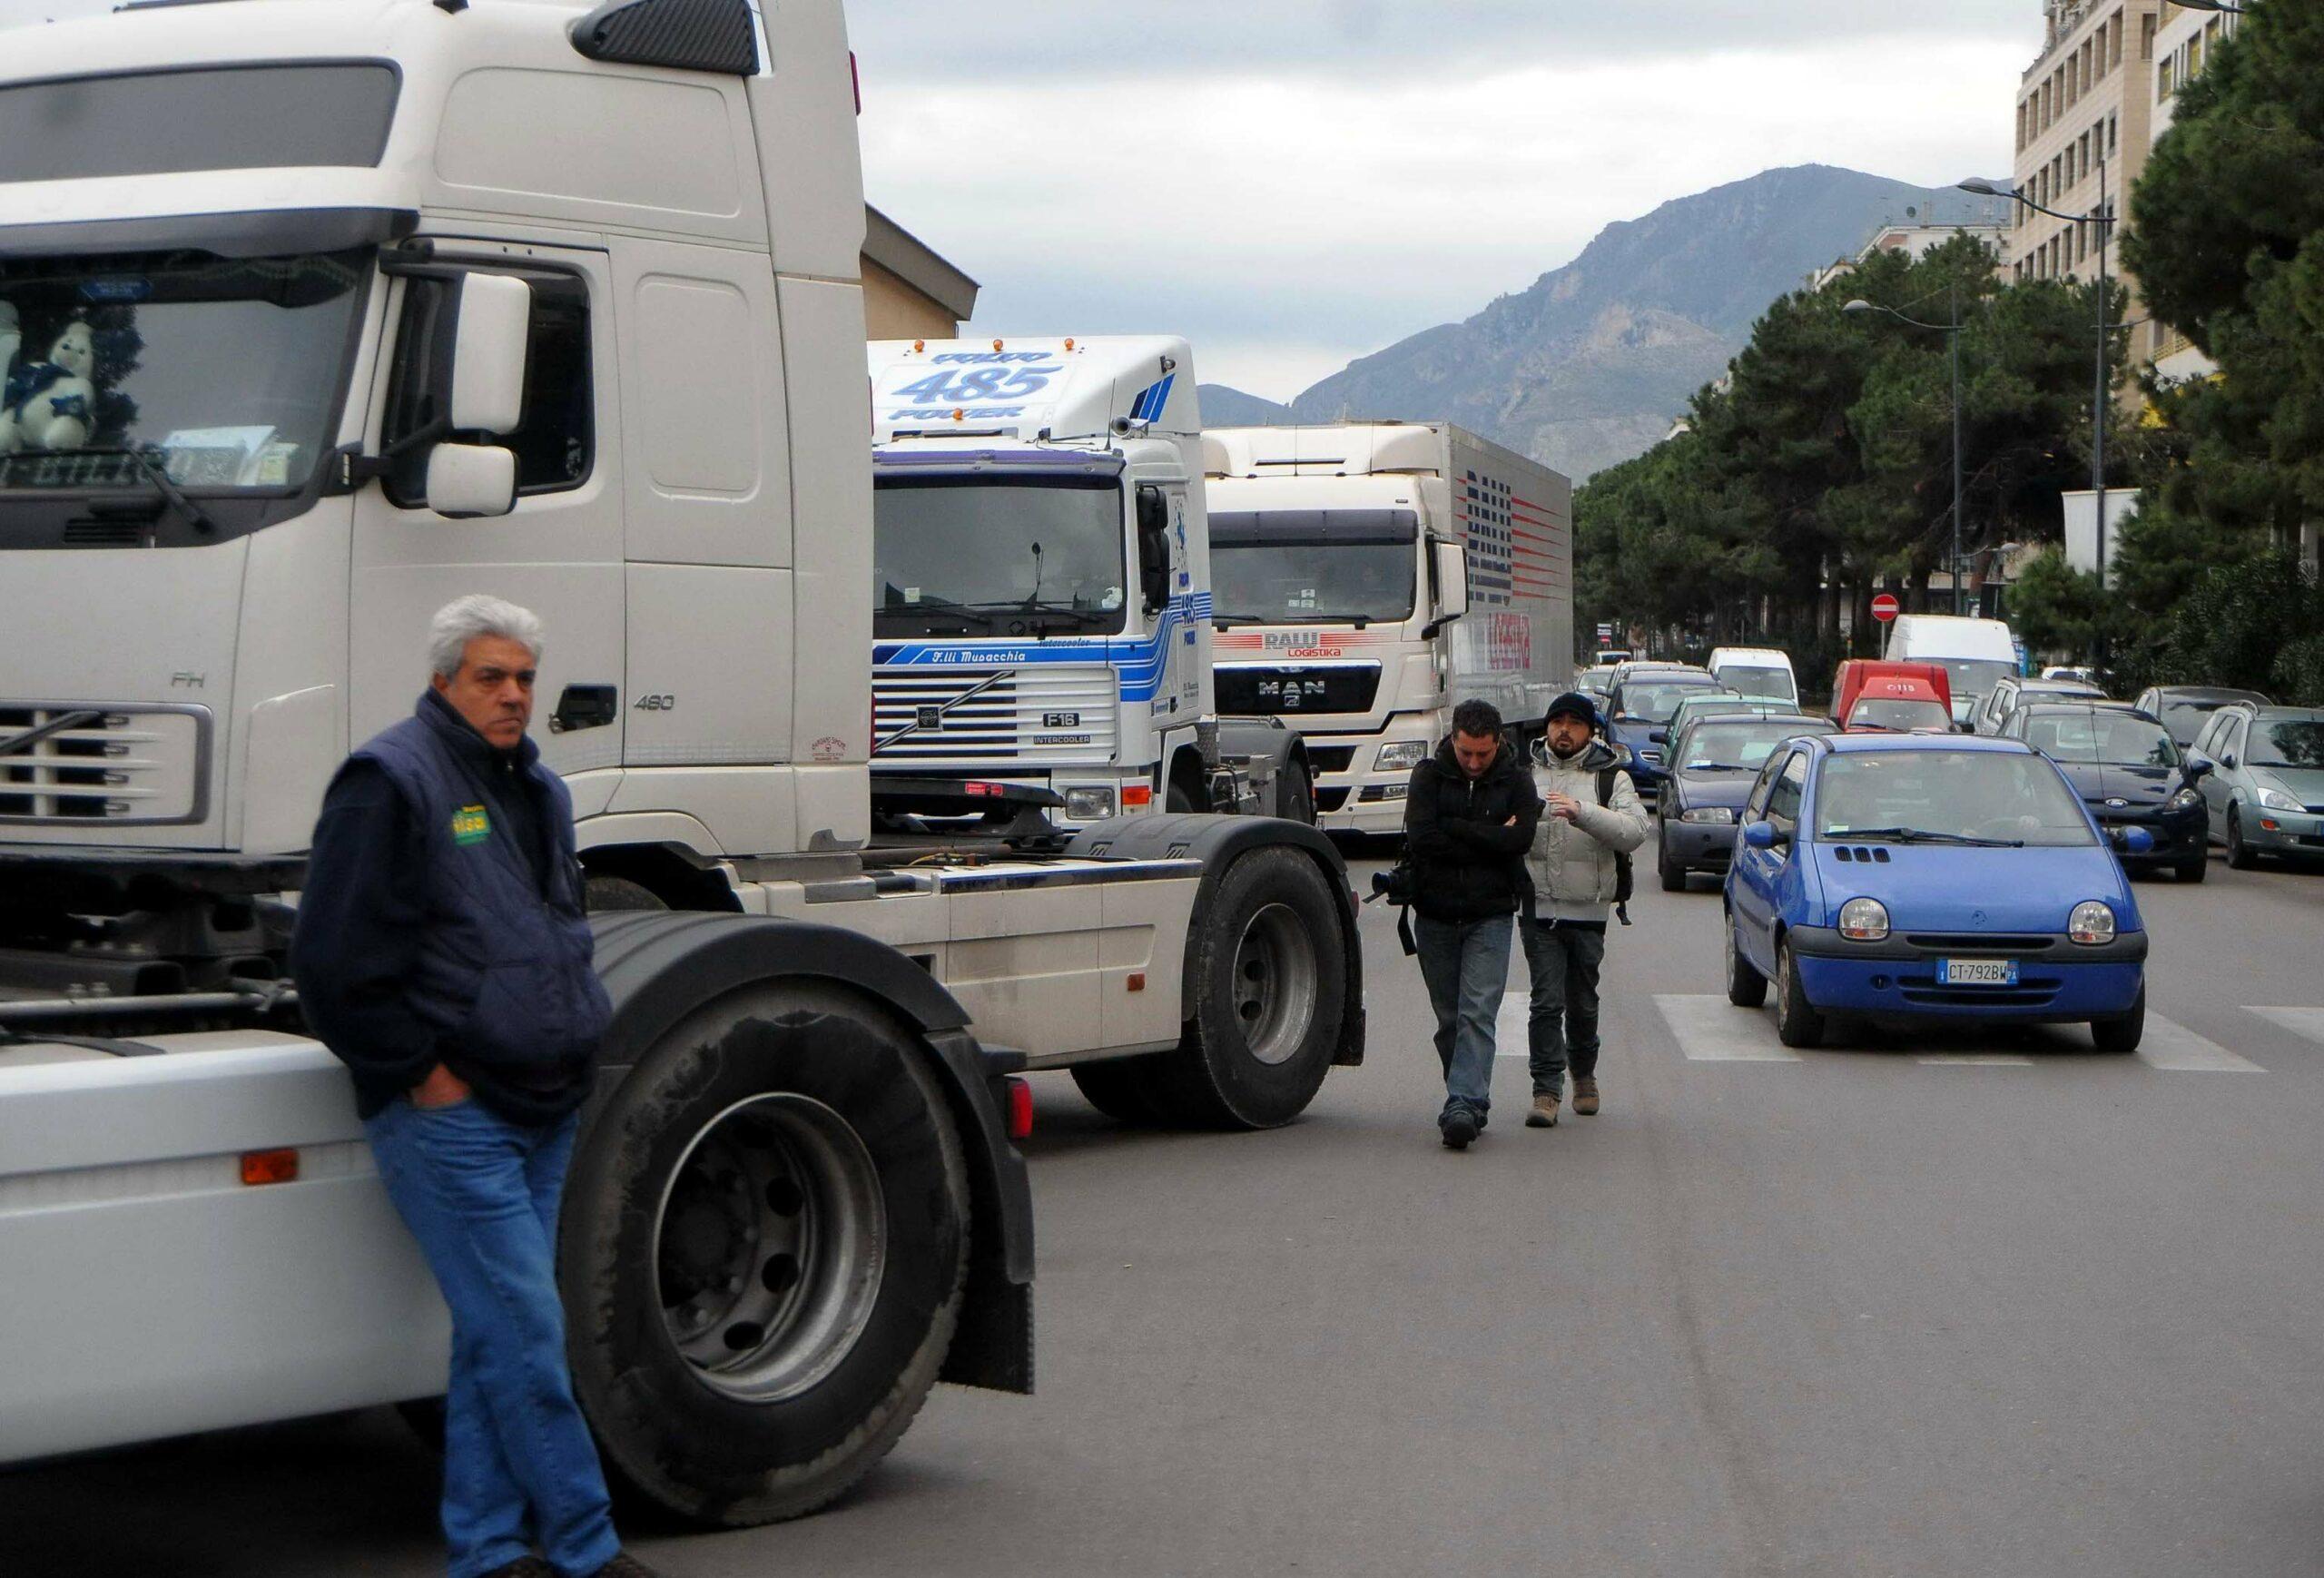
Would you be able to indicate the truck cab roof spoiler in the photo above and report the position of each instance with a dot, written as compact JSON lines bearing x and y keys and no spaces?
{"x":996,"y":462}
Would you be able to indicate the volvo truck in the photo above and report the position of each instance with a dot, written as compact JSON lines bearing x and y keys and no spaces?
{"x":1370,"y":577}
{"x":1040,"y":588}
{"x":321,"y":313}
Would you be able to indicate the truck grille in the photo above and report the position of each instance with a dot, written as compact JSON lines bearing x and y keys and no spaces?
{"x":1041,"y":712}
{"x":1286,"y":689}
{"x":120,"y":764}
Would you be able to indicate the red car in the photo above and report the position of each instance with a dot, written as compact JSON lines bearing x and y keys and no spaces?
{"x":1873,"y":695}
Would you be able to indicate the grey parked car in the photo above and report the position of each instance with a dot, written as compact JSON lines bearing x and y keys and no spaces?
{"x":2265,"y":793}
{"x":2184,"y":709}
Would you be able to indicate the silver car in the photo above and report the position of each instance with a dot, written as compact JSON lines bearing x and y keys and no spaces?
{"x":2265,"y":793}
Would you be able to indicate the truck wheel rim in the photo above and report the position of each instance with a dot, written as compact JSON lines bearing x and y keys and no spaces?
{"x":1275,"y":984}
{"x":770,"y":1246}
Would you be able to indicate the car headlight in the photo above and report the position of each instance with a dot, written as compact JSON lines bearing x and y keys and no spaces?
{"x":2187,"y":799}
{"x":1716,"y":815}
{"x":2276,"y":800}
{"x":1864,"y":920}
{"x":2092,"y":923}
{"x":1092,"y":805}
{"x":1403,"y":755}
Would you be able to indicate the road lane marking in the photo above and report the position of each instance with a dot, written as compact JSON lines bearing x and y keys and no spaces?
{"x":2172,"y":1046}
{"x":1711,"y":1030}
{"x":1973,"y":1061}
{"x":2308,"y":1022}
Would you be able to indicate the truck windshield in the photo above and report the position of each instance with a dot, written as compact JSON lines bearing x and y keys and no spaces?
{"x":1972,"y":678}
{"x":1765,"y":684}
{"x":1301,"y":566}
{"x":226,"y":373}
{"x":987,"y":556}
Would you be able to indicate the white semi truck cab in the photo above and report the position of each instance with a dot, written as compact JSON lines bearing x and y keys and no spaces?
{"x":317,"y":314}
{"x":1040,"y":588}
{"x":1369,"y":577}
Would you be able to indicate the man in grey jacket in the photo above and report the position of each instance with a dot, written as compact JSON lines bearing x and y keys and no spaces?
{"x":1590,"y":813}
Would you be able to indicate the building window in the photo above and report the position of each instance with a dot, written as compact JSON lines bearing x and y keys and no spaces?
{"x":2118,"y":38}
{"x":2146,"y":37}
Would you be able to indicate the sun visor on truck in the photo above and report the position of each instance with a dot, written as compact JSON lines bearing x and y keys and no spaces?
{"x":992,"y":463}
{"x":257,"y":233}
{"x":1313,"y":528}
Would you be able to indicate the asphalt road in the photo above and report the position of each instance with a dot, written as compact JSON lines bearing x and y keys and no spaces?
{"x":1855,"y":1313}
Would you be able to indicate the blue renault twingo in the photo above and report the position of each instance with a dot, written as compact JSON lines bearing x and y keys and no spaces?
{"x":1930,"y":877}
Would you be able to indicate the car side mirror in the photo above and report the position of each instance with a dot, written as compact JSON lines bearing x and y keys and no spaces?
{"x":1760,"y":835}
{"x":1657,"y":736}
{"x":468,"y":480}
{"x":489,"y":349}
{"x":2199,"y":767}
{"x":2136,"y":841}
{"x":2227,"y":760}
{"x":1153,"y":547}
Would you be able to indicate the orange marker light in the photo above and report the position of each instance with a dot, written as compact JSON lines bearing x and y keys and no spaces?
{"x":918,"y":346}
{"x":270,"y":1167}
{"x":1137,"y":981}
{"x":1068,"y":343}
{"x":1138,"y":795}
{"x":1021,"y":1109}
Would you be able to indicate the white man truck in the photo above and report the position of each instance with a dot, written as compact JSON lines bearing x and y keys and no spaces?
{"x":1369,"y":577}
{"x":1041,"y":582}
{"x":324,"y":314}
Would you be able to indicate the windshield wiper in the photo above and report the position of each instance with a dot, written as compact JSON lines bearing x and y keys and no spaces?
{"x":1923,"y":835}
{"x":934,"y":605}
{"x":1229,"y":621}
{"x":159,"y":475}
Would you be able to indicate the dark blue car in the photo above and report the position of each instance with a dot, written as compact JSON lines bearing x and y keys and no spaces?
{"x":1930,"y":877}
{"x":1639,"y":708}
{"x":2127,"y":770}
{"x":1712,"y":766}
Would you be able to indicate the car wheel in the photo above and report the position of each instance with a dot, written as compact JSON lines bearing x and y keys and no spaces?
{"x":2241,"y":856}
{"x":2193,"y":871}
{"x":1797,"y":1024}
{"x":1674,"y":877}
{"x":1746,"y":987}
{"x":2120,"y":1033}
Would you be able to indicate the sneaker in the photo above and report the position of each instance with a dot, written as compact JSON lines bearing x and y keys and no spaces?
{"x":524,"y":1567}
{"x":1585,"y":1096}
{"x":1459,"y":1128}
{"x":1544,"y":1114}
{"x":626,"y":1565}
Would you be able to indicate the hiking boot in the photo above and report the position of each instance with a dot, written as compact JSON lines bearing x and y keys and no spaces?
{"x":524,"y":1567}
{"x":626,"y":1565}
{"x":1459,"y":1128}
{"x":1544,"y":1114}
{"x":1585,"y":1096}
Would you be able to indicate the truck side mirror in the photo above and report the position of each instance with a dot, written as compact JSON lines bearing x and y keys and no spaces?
{"x":1449,"y":568}
{"x":465,"y":480}
{"x":488,"y":345}
{"x":1153,"y":547}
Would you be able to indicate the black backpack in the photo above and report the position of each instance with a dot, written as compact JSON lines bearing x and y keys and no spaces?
{"x":1624,"y":883}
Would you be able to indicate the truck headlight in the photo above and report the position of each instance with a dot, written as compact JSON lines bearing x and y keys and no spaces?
{"x":2092,"y":923}
{"x":1402,"y":756}
{"x":2276,"y":800}
{"x":1864,"y":920}
{"x":2187,"y":799}
{"x":1715,"y":815}
{"x":1089,"y":804}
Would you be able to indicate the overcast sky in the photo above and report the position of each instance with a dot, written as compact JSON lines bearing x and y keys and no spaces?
{"x":1292,"y":184}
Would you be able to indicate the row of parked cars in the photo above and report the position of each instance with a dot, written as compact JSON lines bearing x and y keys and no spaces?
{"x":1921,"y":855}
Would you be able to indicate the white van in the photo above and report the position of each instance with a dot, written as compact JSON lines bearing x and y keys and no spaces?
{"x":1976,"y":653}
{"x":1758,"y":673}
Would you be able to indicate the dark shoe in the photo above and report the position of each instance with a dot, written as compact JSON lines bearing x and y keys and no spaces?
{"x":1544,"y":1114}
{"x":626,"y":1566}
{"x":1460,"y":1129}
{"x":524,"y":1567}
{"x":1585,"y":1097}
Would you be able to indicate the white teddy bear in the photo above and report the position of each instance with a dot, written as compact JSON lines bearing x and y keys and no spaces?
{"x":52,"y":405}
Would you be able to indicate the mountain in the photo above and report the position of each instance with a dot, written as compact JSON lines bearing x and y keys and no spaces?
{"x":1589,"y":365}
{"x":1224,"y":405}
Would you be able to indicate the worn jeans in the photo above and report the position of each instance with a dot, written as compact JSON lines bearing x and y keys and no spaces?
{"x":1466,"y":966}
{"x":480,"y":1194}
{"x":1563,"y":962}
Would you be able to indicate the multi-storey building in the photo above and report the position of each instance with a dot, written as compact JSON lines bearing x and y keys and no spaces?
{"x":2184,"y":42}
{"x":2084,"y":110}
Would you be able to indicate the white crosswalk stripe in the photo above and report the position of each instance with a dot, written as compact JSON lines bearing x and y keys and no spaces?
{"x":1710,"y":1030}
{"x":2300,"y":1021}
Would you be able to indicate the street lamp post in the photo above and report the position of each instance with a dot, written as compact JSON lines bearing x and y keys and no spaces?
{"x":1952,"y":332}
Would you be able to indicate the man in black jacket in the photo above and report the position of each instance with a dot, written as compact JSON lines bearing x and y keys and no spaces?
{"x":1468,"y":819}
{"x":443,"y":953}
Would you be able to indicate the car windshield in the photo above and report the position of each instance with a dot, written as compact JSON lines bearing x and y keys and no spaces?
{"x":1291,"y":566}
{"x":1889,"y":713}
{"x":1775,"y":683}
{"x":997,"y":557}
{"x":1655,"y":701}
{"x":1720,"y":746}
{"x":1949,"y":797}
{"x":224,"y":372}
{"x":2100,"y":738}
{"x":2287,"y":743}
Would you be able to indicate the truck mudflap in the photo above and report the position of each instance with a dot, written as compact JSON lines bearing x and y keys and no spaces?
{"x":658,"y":968}
{"x":1217,"y":841}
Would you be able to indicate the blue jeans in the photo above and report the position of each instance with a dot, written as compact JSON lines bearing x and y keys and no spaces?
{"x":1563,"y":962}
{"x":480,"y":1194}
{"x":1466,"y":966}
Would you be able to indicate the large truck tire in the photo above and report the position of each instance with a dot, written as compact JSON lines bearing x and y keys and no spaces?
{"x":1266,"y":989}
{"x":763,"y":1252}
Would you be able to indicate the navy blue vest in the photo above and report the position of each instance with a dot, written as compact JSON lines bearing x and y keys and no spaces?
{"x":505,"y":973}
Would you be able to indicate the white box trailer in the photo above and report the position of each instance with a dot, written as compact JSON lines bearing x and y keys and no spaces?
{"x":1370,"y":577}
